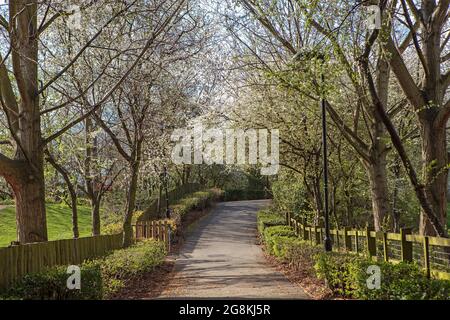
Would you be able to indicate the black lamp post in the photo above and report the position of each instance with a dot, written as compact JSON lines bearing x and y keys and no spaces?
{"x":310,"y":55}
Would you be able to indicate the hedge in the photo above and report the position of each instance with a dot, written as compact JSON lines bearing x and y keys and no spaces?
{"x":242,"y":194}
{"x":100,"y":278}
{"x":347,"y":274}
{"x":198,"y":200}
{"x":267,"y":218}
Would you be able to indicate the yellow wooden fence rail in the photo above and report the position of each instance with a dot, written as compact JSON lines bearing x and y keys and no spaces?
{"x":433,"y":253}
{"x":17,"y":261}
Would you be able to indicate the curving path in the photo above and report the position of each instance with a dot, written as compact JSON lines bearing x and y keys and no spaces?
{"x":221,"y":259}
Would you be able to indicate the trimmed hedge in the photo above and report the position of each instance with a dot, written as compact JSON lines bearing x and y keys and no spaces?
{"x":242,"y":194}
{"x":52,"y":285}
{"x":196,"y":201}
{"x":346,"y":274}
{"x":123,"y":265}
{"x":100,"y":278}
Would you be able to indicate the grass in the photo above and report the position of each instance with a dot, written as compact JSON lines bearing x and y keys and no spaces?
{"x":59,"y":221}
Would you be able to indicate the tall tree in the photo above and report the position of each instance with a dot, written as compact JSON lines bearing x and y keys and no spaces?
{"x":20,"y":94}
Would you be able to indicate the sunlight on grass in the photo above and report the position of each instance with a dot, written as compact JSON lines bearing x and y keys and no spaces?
{"x":59,"y":221}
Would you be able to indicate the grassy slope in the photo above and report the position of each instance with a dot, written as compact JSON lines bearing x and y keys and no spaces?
{"x":59,"y":221}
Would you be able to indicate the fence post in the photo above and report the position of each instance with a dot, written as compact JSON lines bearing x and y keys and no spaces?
{"x":317,"y":235}
{"x":305,"y":236}
{"x":347,"y":240}
{"x":426,"y":255}
{"x":137,"y":230}
{"x":288,"y":218}
{"x":356,"y":241}
{"x":385,"y":247}
{"x":407,"y":247}
{"x":371,"y":244}
{"x":152,"y":229}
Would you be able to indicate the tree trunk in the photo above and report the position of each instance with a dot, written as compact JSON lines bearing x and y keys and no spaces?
{"x":435,"y":173}
{"x":30,"y":187}
{"x":73,"y":197}
{"x":91,"y":176}
{"x":379,"y":191}
{"x":131,"y":202}
{"x":95,"y":212}
{"x":30,"y":210}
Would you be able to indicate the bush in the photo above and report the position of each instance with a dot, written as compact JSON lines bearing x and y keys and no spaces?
{"x":112,"y":228}
{"x":242,"y":194}
{"x":99,"y":278}
{"x":281,"y":242}
{"x":196,"y":201}
{"x":52,"y":285}
{"x":274,"y":239}
{"x":347,"y":275}
{"x":129,"y":263}
{"x":267,"y":218}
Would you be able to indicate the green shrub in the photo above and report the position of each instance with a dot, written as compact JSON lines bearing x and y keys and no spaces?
{"x":129,"y":263}
{"x":99,"y":278}
{"x":267,"y":218}
{"x":242,"y":194}
{"x":196,"y":201}
{"x":112,"y":228}
{"x":347,"y":275}
{"x":52,"y":285}
{"x":273,"y":238}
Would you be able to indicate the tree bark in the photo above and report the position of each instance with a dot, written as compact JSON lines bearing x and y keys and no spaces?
{"x":95,"y":212}
{"x":30,"y":210}
{"x":435,"y":173}
{"x":91,"y":177}
{"x":131,"y":202}
{"x":379,"y":190}
{"x":29,"y":188}
{"x":131,"y":197}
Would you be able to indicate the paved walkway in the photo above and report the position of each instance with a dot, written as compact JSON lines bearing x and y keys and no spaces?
{"x":221,"y":259}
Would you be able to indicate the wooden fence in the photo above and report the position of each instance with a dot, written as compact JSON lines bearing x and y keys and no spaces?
{"x":432,"y":253}
{"x":158,"y":230}
{"x":17,"y":261}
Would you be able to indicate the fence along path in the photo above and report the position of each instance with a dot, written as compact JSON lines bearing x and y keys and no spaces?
{"x":17,"y":261}
{"x":432,"y":253}
{"x":158,"y":230}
